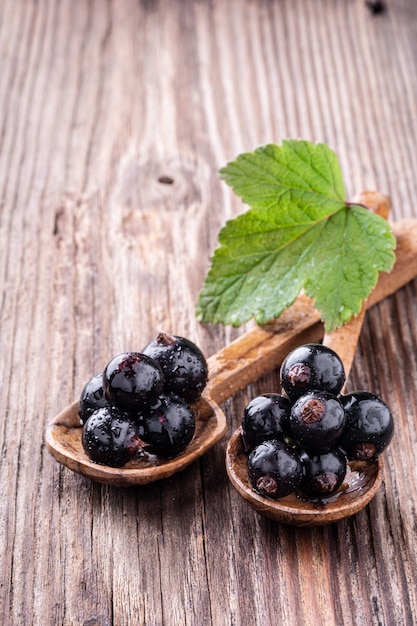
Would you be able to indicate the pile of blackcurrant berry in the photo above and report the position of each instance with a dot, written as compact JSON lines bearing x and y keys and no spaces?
{"x":302,"y":440}
{"x":142,"y":403}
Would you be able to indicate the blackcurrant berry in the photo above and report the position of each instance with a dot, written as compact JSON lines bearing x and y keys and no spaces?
{"x":265,"y":417}
{"x":323,"y":473}
{"x":274,"y":469}
{"x":92,"y":397}
{"x":169,"y":427}
{"x":110,"y":437}
{"x":183,"y":364}
{"x":312,"y":366}
{"x":317,"y":420}
{"x":369,"y":425}
{"x":132,"y":381}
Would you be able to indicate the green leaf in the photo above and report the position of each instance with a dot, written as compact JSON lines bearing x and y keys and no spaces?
{"x":299,"y":234}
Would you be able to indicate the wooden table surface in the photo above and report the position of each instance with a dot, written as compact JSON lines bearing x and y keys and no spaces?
{"x":101,"y":103}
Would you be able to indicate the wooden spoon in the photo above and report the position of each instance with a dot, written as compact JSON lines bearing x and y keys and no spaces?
{"x":63,"y":441}
{"x":243,"y":361}
{"x":362,"y":480}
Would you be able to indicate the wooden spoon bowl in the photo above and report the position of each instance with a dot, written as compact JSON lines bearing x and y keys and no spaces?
{"x":362,"y":481}
{"x":63,"y":441}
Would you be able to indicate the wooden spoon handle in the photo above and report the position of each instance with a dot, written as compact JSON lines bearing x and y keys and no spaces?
{"x":263,"y":349}
{"x":344,"y":339}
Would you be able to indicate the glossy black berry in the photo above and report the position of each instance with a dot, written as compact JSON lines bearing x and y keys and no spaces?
{"x":110,"y":437}
{"x":132,"y":381}
{"x":317,"y":420}
{"x":369,"y":425}
{"x":323,"y":473}
{"x":312,"y":366}
{"x":183,"y":364}
{"x":169,"y":427}
{"x":92,"y":397}
{"x":274,"y":469}
{"x":265,"y":417}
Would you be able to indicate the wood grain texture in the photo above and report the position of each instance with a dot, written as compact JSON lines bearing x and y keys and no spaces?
{"x":101,"y":104}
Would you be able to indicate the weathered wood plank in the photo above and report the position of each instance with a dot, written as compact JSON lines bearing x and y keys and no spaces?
{"x":102,"y":104}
